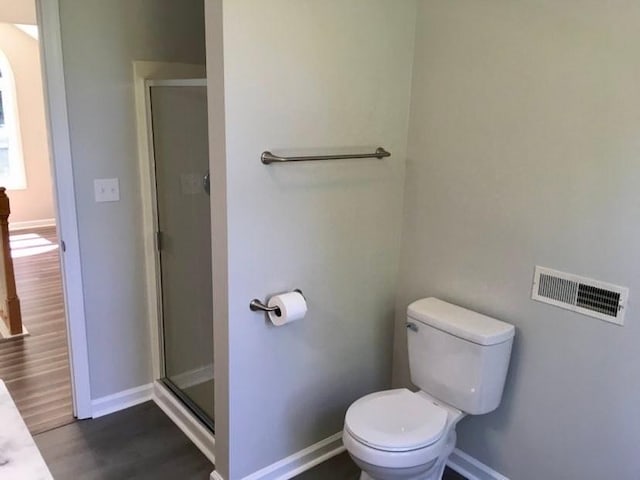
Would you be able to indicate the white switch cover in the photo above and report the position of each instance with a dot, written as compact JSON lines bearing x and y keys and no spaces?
{"x":107,"y":189}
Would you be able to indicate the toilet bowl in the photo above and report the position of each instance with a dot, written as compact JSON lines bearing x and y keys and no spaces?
{"x":399,"y":434}
{"x":459,"y":361}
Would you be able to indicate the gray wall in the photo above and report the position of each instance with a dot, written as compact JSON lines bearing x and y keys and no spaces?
{"x":523,"y":150}
{"x":331,"y":229}
{"x":100,"y":40}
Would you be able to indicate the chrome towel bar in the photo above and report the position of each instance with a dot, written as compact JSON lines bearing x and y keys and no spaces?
{"x":268,"y":157}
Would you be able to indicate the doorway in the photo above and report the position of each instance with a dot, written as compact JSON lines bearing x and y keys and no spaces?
{"x":34,"y":355}
{"x":180,"y":163}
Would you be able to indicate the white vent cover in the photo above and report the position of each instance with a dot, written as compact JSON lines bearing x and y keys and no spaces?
{"x":579,"y":294}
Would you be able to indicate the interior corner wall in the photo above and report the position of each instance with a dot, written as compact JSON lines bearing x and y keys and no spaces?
{"x":100,"y":40}
{"x":523,"y":150}
{"x":219,"y":229}
{"x":36,"y":201}
{"x":338,"y":76}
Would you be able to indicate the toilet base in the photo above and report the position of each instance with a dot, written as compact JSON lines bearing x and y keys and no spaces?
{"x":432,"y":471}
{"x":435,"y":473}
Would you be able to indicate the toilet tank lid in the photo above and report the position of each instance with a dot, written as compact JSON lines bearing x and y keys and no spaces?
{"x":462,"y":323}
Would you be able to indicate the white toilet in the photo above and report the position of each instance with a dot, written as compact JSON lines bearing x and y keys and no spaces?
{"x":459,"y":360}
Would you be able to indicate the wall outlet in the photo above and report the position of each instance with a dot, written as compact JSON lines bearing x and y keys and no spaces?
{"x":106,"y":189}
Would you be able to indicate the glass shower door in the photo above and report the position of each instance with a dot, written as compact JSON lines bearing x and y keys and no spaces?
{"x":181,"y":157}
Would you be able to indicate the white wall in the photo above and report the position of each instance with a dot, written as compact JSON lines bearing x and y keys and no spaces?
{"x":100,"y":40}
{"x":523,"y":150}
{"x":36,"y":201}
{"x":302,"y":74}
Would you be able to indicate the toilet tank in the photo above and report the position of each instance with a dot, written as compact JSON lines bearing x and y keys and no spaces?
{"x":458,"y":356}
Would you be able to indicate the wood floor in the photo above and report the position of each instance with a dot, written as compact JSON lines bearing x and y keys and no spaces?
{"x":138,"y":443}
{"x":141,"y":443}
{"x":341,"y":467}
{"x":36,"y":368}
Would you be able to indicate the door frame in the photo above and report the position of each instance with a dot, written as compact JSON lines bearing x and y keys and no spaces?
{"x":171,"y":383}
{"x":50,"y":38}
{"x":147,"y":74}
{"x":155,"y":282}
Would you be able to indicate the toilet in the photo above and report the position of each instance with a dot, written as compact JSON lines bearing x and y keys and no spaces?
{"x":459,"y":360}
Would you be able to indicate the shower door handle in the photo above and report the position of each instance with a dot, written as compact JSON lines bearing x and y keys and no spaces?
{"x":206,"y":183}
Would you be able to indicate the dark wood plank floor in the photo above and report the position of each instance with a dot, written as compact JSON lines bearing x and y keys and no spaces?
{"x":36,"y":368}
{"x":341,"y":467}
{"x":137,"y":443}
{"x":143,"y":443}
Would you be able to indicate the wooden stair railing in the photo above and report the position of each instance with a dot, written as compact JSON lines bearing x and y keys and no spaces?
{"x":9,"y":301}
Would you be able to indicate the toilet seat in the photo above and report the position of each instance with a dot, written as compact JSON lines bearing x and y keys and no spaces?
{"x":395,"y":421}
{"x":388,"y":459}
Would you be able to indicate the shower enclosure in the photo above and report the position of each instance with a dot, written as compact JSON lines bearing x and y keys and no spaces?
{"x":177,"y":110}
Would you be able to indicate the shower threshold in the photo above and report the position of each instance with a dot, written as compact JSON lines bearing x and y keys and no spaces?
{"x":198,"y":412}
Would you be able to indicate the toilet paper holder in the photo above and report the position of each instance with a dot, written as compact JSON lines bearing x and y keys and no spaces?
{"x":256,"y":305}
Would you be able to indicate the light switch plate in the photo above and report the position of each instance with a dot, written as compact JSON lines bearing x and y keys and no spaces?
{"x":107,"y":189}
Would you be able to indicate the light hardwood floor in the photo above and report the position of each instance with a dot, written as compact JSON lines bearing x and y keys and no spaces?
{"x":36,"y":368}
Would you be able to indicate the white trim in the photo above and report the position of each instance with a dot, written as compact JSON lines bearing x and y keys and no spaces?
{"x":215,"y":476}
{"x":121,"y":400}
{"x":201,"y":436}
{"x":301,"y":461}
{"x":178,"y":82}
{"x":471,"y":468}
{"x":46,"y":222}
{"x":193,"y":377}
{"x":64,"y":193}
{"x":143,"y":72}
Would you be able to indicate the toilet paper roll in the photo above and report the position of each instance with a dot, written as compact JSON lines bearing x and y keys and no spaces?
{"x":292,"y":307}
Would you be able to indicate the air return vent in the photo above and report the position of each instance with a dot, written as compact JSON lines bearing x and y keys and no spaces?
{"x":582,"y":295}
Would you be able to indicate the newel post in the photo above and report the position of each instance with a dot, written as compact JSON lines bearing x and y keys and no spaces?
{"x":10,"y":304}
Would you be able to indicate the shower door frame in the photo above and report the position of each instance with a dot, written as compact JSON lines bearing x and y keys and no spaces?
{"x":159,"y":372}
{"x":163,"y":377}
{"x":147,"y":75}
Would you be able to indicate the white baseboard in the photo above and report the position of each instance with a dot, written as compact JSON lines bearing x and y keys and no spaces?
{"x":46,"y":222}
{"x":300,"y":461}
{"x":471,"y":468}
{"x":193,"y":377}
{"x":121,"y":400}
{"x":196,"y":432}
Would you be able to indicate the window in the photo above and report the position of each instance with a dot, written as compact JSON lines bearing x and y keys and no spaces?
{"x":12,"y":174}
